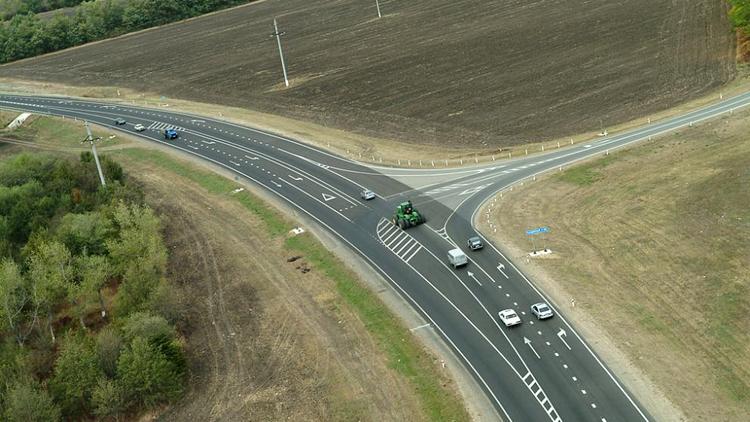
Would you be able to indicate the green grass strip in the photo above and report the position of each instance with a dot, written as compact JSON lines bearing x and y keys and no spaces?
{"x":214,"y":183}
{"x":404,"y":354}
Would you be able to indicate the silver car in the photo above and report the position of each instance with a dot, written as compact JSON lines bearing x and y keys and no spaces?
{"x":541,"y":310}
{"x":367,"y":194}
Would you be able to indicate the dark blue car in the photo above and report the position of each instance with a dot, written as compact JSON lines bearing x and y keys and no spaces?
{"x":170,"y":134}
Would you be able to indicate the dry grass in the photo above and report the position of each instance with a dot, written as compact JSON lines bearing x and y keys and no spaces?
{"x":653,"y":242}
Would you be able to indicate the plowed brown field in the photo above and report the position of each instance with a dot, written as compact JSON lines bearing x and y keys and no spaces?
{"x":438,"y":71}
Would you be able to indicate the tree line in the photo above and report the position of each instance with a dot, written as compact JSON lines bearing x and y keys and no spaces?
{"x":740,"y":14}
{"x":26,"y":35}
{"x":10,"y":8}
{"x":86,"y":313}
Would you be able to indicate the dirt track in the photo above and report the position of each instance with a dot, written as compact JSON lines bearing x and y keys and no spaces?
{"x":266,"y":341}
{"x":444,"y":71}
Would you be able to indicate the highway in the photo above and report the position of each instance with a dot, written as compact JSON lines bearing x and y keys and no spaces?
{"x":540,"y":370}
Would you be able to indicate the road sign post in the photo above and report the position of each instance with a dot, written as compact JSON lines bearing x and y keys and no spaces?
{"x":532,"y":232}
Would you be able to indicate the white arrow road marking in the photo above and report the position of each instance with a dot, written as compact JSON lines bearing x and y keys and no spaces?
{"x":471,"y":274}
{"x":562,"y":334}
{"x":278,"y":185}
{"x":295,"y":178}
{"x":249,"y":157}
{"x":327,"y":197}
{"x":527,"y":341}
{"x":501,"y":267}
{"x":236,"y":164}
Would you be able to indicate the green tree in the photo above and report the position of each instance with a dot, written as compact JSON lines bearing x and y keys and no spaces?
{"x":108,"y":399}
{"x":14,"y":368}
{"x":21,"y":30}
{"x":146,"y":325}
{"x":169,"y":302}
{"x":76,"y":375}
{"x":13,"y":298}
{"x":85,"y":233}
{"x":138,"y":255}
{"x":58,"y":30}
{"x":740,"y":14}
{"x":28,"y":403}
{"x":108,"y":348}
{"x":94,"y":271}
{"x":146,"y":375}
{"x":50,"y":272}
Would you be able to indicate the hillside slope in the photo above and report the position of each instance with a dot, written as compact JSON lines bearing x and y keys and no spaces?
{"x":460,"y":71}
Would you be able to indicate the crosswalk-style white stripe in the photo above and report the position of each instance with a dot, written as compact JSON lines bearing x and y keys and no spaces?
{"x":397,"y":240}
{"x":541,"y":397}
{"x":445,"y":188}
{"x":162,"y":125}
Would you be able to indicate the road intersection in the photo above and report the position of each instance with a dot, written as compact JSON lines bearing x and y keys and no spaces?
{"x":540,"y":370}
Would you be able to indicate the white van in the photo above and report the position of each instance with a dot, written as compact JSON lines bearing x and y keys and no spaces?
{"x":457,"y":258}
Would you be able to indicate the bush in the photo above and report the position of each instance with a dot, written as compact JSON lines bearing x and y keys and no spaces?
{"x":108,"y":348}
{"x":25,"y":402}
{"x":169,"y":302}
{"x":146,"y":325}
{"x":740,"y":14}
{"x":108,"y":399}
{"x":85,"y":232}
{"x":76,"y":375}
{"x":147,"y":376}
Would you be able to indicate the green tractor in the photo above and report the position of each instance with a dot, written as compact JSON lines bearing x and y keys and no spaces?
{"x":406,"y":216}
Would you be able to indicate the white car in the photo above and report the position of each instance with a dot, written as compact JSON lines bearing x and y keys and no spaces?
{"x":509,"y":317}
{"x":367,"y":194}
{"x":541,"y":310}
{"x":139,"y":127}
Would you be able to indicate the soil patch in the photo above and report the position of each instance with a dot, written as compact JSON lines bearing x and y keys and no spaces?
{"x":444,"y":72}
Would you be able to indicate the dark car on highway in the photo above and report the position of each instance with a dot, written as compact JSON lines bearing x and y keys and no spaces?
{"x":474,"y":243}
{"x":120,"y":121}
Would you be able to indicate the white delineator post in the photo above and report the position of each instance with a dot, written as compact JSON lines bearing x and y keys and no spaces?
{"x":278,"y":35}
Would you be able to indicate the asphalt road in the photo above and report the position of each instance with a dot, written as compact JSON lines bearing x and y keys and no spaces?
{"x":540,"y":370}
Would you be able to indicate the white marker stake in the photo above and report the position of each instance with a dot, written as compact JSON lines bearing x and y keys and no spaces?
{"x":471,"y":274}
{"x":562,"y":334}
{"x":527,"y":341}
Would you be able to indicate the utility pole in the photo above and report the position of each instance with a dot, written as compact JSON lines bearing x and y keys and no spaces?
{"x":377,"y":5}
{"x":278,"y":35}
{"x":90,"y":139}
